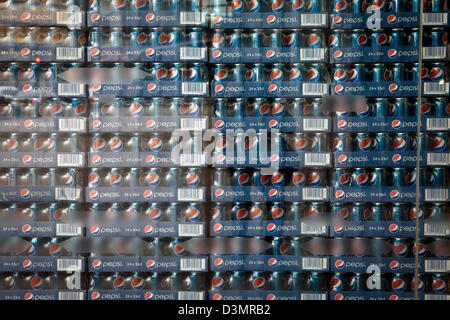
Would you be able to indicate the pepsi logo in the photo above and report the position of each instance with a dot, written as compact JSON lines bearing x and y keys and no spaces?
{"x":150,"y":17}
{"x":26,"y":228}
{"x":259,"y":283}
{"x":393,"y":228}
{"x":26,"y":16}
{"x":137,"y":283}
{"x":436,"y":74}
{"x":338,"y":89}
{"x":148,"y":229}
{"x":218,"y":283}
{"x":217,"y":20}
{"x":148,"y":194}
{"x":27,"y":159}
{"x":396,"y":158}
{"x":394,"y":194}
{"x":271,"y":296}
{"x":339,"y":264}
{"x":336,"y":284}
{"x":273,"y":193}
{"x":301,"y":144}
{"x":95,"y":17}
{"x":28,"y":296}
{"x":237,"y":6}
{"x":96,"y":87}
{"x":220,"y":124}
{"x":220,"y":158}
{"x":155,"y":144}
{"x":150,"y":264}
{"x":425,"y":109}
{"x":342,"y":124}
{"x":273,"y":88}
{"x":394,"y":265}
{"x":339,"y":194}
{"x":391,"y":19}
{"x":398,"y":285}
{"x":277,"y":213}
{"x":150,"y":159}
{"x":337,"y":20}
{"x":94,"y":230}
{"x":96,"y":124}
{"x":217,"y":296}
{"x":26,"y":264}
{"x":439,"y":285}
{"x":217,"y":54}
{"x":25,"y":52}
{"x":253,"y":6}
{"x":393,"y":87}
{"x":271,"y":227}
{"x":97,"y":264}
{"x":271,"y":19}
{"x":151,"y":87}
{"x":27,"y":88}
{"x":218,"y":228}
{"x":25,"y":193}
{"x":219,"y":89}
{"x":339,"y":296}
{"x":392,"y":53}
{"x":393,"y":297}
{"x":219,"y":193}
{"x":272,"y":262}
{"x":93,"y":194}
{"x":275,"y":158}
{"x":438,"y":144}
{"x":148,"y":295}
{"x":396,"y":124}
{"x":218,"y":262}
{"x":338,"y":54}
{"x":270,"y":54}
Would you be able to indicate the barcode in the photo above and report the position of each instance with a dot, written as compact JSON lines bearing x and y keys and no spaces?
{"x":69,"y":159}
{"x":69,"y":53}
{"x":309,"y":228}
{"x":192,"y":264}
{"x":438,"y":158}
{"x":438,"y":124}
{"x":190,"y":230}
{"x":317,"y":159}
{"x":435,"y":88}
{"x":70,"y":89}
{"x":313,"y":19}
{"x":435,"y":18}
{"x":193,"y":88}
{"x":193,"y":124}
{"x":69,"y":194}
{"x":190,"y":160}
{"x":313,"y":296}
{"x":437,"y":297}
{"x":309,"y":263}
{"x":192,"y":18}
{"x":72,"y":18}
{"x":312,"y":54}
{"x":315,"y":124}
{"x":188,"y":295}
{"x":190,"y":194}
{"x":190,"y":53}
{"x":437,"y":265}
{"x":67,"y":230}
{"x":72,"y":124}
{"x":434,"y":229}
{"x":69,"y":264}
{"x":436,"y":194}
{"x":314,"y":89}
{"x":71,"y":295}
{"x":434,"y":53}
{"x":314,"y":193}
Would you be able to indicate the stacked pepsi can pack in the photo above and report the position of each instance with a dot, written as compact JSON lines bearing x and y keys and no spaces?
{"x":43,"y":149}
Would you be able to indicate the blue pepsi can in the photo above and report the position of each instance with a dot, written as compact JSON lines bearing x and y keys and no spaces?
{"x":378,"y":177}
{"x":381,"y":73}
{"x":381,"y":142}
{"x":138,"y":5}
{"x":236,"y":39}
{"x":257,"y":38}
{"x":360,"y":38}
{"x":316,"y":282}
{"x":239,"y":72}
{"x":138,"y":37}
{"x":116,"y":37}
{"x":276,"y":39}
{"x":357,"y":211}
{"x":281,"y":281}
{"x":398,"y":212}
{"x":239,"y":212}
